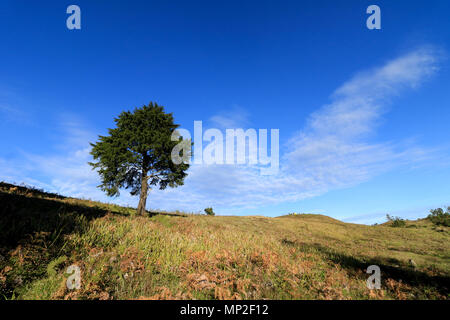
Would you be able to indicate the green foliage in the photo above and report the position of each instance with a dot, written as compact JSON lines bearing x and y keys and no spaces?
{"x":396,"y":222}
{"x":137,"y":153}
{"x":209,"y":212}
{"x":53,"y":264}
{"x":439,"y":217}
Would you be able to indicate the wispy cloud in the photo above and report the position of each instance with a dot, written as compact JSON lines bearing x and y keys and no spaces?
{"x":331,"y":151}
{"x":411,"y":213}
{"x":13,"y":114}
{"x":66,"y":171}
{"x":235,"y":117}
{"x":9,"y":107}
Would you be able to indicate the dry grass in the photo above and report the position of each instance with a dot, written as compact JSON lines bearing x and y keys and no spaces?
{"x":175,"y":256}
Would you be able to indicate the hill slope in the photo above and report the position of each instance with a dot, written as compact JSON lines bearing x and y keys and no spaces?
{"x":173,"y":256}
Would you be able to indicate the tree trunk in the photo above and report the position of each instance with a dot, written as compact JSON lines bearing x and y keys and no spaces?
{"x":143,"y":198}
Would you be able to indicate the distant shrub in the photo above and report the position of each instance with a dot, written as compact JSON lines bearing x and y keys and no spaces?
{"x":396,"y":222}
{"x":439,"y":217}
{"x":209,"y":212}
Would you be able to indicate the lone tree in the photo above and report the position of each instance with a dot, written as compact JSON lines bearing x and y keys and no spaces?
{"x":137,"y":154}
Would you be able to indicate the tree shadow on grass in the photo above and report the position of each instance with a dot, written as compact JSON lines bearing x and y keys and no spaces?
{"x":33,"y":226}
{"x":390,"y":268}
{"x":33,"y":229}
{"x":170,"y":214}
{"x":22,"y":217}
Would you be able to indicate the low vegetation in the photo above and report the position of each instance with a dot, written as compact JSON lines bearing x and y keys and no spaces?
{"x":396,"y":222}
{"x":439,"y":217}
{"x":209,"y":212}
{"x":183,"y":256}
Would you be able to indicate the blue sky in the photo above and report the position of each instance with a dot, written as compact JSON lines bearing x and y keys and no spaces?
{"x":363,"y":114}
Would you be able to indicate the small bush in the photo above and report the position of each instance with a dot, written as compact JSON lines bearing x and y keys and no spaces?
{"x":396,"y":222}
{"x":209,"y":212}
{"x":439,"y":217}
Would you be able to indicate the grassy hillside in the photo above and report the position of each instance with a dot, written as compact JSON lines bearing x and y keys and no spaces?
{"x":175,"y":256}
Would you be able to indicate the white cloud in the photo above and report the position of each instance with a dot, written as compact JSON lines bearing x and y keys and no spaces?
{"x":9,"y":110}
{"x":236,"y":117}
{"x":67,"y":172}
{"x":331,"y":152}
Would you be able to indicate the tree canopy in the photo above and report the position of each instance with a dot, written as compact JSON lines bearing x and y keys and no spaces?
{"x":137,"y":153}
